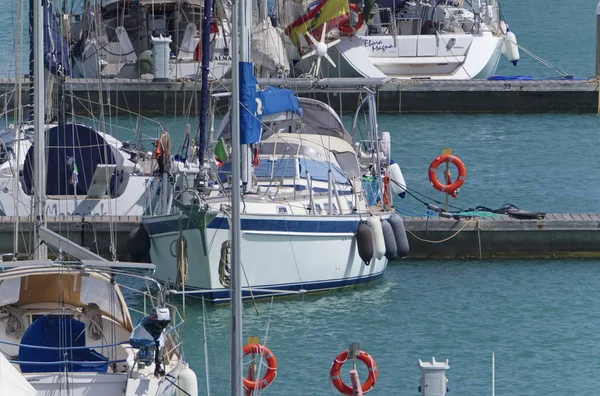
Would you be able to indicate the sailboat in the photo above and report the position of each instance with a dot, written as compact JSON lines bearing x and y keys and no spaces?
{"x":316,"y":207}
{"x":422,"y":39}
{"x":89,"y":172}
{"x":65,"y":327}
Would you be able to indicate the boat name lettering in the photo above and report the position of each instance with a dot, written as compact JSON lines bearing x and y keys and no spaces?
{"x":52,"y":210}
{"x":222,"y":58}
{"x":377,"y":45}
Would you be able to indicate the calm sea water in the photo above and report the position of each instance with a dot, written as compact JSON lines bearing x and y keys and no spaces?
{"x":539,"y":317}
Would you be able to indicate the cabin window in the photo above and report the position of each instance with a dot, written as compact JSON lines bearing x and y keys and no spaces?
{"x":281,"y":210}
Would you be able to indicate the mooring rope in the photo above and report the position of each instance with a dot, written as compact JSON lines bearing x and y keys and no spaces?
{"x":445,"y":239}
{"x":14,"y":326}
{"x":93,"y":312}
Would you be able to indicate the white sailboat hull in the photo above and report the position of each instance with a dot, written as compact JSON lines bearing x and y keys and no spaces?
{"x":132,"y":202}
{"x":280,"y":253}
{"x":443,"y":57}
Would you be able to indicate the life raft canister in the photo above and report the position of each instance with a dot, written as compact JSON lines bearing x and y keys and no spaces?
{"x":271,"y":366}
{"x":346,"y":28}
{"x":342,"y":358}
{"x":449,"y":188}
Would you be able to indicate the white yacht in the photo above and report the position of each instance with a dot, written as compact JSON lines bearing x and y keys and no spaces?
{"x":312,"y":190}
{"x":402,"y":39}
{"x":88,"y":173}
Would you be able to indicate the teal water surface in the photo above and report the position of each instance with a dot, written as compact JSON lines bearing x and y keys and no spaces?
{"x":539,"y":318}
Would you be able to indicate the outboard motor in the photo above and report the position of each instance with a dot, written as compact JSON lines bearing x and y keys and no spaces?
{"x":148,"y":334}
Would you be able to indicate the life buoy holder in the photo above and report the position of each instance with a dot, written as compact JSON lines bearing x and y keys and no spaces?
{"x":258,"y":349}
{"x":345,"y":27}
{"x":342,"y":358}
{"x":451,"y":187}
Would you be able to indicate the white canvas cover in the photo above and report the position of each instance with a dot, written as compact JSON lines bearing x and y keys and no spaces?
{"x":12,"y":383}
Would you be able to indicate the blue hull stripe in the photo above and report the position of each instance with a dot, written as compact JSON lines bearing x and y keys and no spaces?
{"x":223,"y":295}
{"x":283,"y":225}
{"x":274,"y":225}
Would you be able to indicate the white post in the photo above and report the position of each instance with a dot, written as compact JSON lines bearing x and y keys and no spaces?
{"x":493,"y":375}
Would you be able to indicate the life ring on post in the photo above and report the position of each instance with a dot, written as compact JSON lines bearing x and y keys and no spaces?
{"x":342,"y":358}
{"x":449,"y":188}
{"x":345,"y":27}
{"x":271,"y":366}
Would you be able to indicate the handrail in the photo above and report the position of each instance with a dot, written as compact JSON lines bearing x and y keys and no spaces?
{"x":68,"y":362}
{"x":63,"y":348}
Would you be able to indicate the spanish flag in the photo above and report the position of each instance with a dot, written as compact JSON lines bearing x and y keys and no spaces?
{"x":330,"y":11}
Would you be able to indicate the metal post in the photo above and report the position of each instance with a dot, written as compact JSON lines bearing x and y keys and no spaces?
{"x":493,"y":375}
{"x":598,"y":40}
{"x":245,"y":18}
{"x":236,"y":224}
{"x":39,"y":146}
{"x":330,"y":192}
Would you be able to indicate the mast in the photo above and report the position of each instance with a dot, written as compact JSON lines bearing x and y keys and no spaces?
{"x":236,"y":279}
{"x":39,"y":198}
{"x":205,"y":62}
{"x":245,"y":24}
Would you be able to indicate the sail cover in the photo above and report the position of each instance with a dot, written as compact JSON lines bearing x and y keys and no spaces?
{"x":73,"y":152}
{"x":60,"y":333}
{"x":255,"y":103}
{"x":56,"y":50}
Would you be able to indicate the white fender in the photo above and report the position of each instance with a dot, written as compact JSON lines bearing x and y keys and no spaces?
{"x":512,"y":49}
{"x":397,"y":183}
{"x":386,"y":144}
{"x":378,"y":241}
{"x":188,"y":383}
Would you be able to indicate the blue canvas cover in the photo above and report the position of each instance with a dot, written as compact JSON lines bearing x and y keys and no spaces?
{"x":255,"y":103}
{"x":69,"y":148}
{"x":249,"y":112}
{"x":279,"y":100}
{"x":59,"y":332}
{"x":56,"y":50}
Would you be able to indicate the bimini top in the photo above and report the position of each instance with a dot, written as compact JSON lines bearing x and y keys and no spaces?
{"x":317,"y":119}
{"x":70,"y":286}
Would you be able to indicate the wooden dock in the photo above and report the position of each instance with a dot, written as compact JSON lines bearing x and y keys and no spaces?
{"x":394,"y":96}
{"x":558,"y":235}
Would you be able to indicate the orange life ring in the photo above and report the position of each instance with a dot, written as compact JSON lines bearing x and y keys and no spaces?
{"x":449,"y":188}
{"x":271,"y":366}
{"x":345,"y":27}
{"x":336,"y":380}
